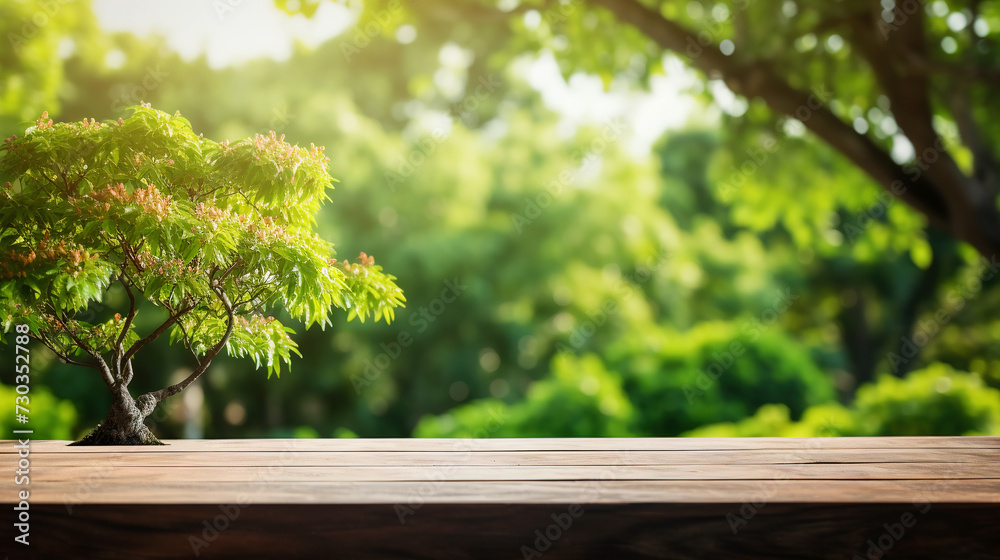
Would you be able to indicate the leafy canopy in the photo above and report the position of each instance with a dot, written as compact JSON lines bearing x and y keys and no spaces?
{"x":212,"y":232}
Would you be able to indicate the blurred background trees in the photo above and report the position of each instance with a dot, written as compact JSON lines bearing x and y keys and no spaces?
{"x":736,"y":276}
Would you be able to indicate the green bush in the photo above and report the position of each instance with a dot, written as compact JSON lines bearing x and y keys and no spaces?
{"x":663,"y":393}
{"x":715,"y":373}
{"x":581,"y":398}
{"x":775,"y":420}
{"x":934,"y":401}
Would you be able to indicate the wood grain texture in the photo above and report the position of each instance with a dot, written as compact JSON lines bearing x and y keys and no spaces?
{"x":818,"y":471}
{"x":521,"y":491}
{"x":640,"y":498}
{"x":513,"y":458}
{"x":502,"y":531}
{"x":536,"y":444}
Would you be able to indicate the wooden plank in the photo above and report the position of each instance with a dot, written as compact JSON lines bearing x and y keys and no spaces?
{"x":510,"y":458}
{"x":484,"y":499}
{"x":819,"y":471}
{"x":498,"y":532}
{"x":109,"y":491}
{"x":529,"y":444}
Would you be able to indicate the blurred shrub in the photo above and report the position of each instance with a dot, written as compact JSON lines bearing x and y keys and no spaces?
{"x":581,"y":398}
{"x":719,"y":372}
{"x":934,"y":401}
{"x":775,"y":420}
{"x":702,"y":376}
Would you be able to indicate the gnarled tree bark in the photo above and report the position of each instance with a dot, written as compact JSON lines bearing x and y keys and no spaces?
{"x":125,"y":423}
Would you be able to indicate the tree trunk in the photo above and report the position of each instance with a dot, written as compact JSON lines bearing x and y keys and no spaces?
{"x":123,"y":426}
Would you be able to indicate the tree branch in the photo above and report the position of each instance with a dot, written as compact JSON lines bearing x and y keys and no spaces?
{"x":896,"y":60}
{"x":756,"y":79}
{"x":156,"y":334}
{"x":187,"y":339}
{"x":63,"y":357}
{"x":252,"y":298}
{"x":148,"y":402}
{"x":127,"y":373}
{"x":119,"y":343}
{"x":106,"y":372}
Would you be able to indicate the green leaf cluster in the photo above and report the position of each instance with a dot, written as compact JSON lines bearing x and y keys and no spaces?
{"x":205,"y":230}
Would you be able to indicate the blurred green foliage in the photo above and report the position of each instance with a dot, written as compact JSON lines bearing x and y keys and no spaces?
{"x":37,"y":40}
{"x":51,"y":418}
{"x":556,"y":283}
{"x":934,"y":401}
{"x":580,"y":398}
{"x":716,"y":373}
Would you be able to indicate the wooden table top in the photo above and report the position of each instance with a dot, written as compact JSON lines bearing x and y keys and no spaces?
{"x":514,"y":471}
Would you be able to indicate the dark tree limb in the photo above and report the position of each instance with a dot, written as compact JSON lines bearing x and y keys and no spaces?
{"x":148,"y":402}
{"x":119,"y":343}
{"x":940,"y":196}
{"x":944,"y":263}
{"x":127,"y":373}
{"x":890,"y":58}
{"x":858,"y":339}
{"x":156,"y":334}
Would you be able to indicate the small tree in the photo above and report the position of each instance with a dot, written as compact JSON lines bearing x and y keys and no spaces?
{"x":211,"y":233}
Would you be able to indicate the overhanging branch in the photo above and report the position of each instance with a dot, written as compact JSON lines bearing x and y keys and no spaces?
{"x":758,"y":80}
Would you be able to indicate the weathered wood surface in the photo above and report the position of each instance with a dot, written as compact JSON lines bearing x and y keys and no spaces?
{"x":403,"y":498}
